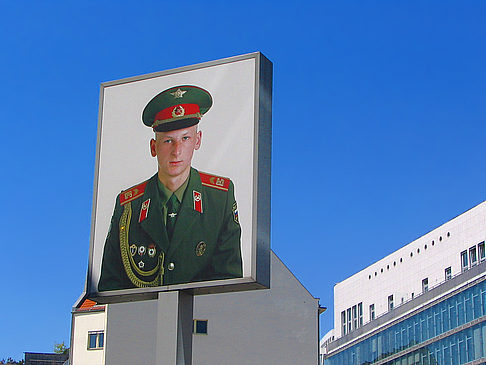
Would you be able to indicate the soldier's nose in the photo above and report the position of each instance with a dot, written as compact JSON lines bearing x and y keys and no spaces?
{"x":176,"y":150}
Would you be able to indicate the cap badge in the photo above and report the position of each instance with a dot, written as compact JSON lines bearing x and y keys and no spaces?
{"x":200,"y":248}
{"x":178,"y":93}
{"x":141,"y":264}
{"x":178,"y":111}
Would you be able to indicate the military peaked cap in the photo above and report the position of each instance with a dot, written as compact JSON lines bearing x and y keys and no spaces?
{"x":176,"y":108}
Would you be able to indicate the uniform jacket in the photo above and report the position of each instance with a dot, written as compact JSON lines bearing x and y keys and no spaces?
{"x":205,"y":243}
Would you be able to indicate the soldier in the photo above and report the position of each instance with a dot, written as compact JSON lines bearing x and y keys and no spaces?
{"x":181,"y":225}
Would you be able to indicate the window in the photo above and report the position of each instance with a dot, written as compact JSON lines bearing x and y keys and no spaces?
{"x":200,"y":326}
{"x":473,"y":256}
{"x":343,"y":323}
{"x":372,"y":312}
{"x":390,"y":302}
{"x":348,"y":317}
{"x":425,"y":285}
{"x":464,"y":262}
{"x":351,"y":319}
{"x":448,"y":273}
{"x":360,"y":314}
{"x":96,"y":340}
{"x":482,"y":253}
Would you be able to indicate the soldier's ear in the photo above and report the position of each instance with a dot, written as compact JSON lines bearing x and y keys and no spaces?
{"x":153,"y":152}
{"x":198,"y":140}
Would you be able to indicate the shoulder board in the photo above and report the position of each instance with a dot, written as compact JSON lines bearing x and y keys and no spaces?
{"x":132,"y":193}
{"x":213,"y":181}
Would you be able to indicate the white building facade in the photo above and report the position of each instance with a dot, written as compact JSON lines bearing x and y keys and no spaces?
{"x":88,"y":334}
{"x":423,"y":304}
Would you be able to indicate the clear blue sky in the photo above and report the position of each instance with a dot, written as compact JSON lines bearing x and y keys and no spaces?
{"x":378,"y":130}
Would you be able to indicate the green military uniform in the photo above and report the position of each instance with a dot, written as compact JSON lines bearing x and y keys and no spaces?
{"x":205,"y":243}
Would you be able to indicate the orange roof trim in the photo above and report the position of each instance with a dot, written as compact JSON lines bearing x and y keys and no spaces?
{"x":89,"y":304}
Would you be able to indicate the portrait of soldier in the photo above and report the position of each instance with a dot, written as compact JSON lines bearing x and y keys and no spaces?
{"x":181,"y":225}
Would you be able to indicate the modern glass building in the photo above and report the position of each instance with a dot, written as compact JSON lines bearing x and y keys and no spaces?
{"x":444,"y":323}
{"x":451,"y":331}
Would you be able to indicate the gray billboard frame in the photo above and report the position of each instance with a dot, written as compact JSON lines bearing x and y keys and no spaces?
{"x":261,"y":215}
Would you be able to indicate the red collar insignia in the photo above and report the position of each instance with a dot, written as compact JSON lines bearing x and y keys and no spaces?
{"x":197,"y":199}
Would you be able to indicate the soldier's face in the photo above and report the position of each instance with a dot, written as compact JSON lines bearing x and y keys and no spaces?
{"x":174,"y":150}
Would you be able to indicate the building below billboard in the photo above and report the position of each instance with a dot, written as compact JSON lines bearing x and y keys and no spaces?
{"x":269,"y":326}
{"x":423,"y":304}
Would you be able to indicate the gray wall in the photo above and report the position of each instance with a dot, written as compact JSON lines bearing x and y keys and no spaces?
{"x":131,"y":333}
{"x":270,"y":326}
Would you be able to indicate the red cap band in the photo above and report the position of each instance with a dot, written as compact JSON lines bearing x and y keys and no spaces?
{"x":178,"y":111}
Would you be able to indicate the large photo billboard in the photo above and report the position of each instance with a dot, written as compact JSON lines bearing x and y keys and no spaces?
{"x":182,"y":181}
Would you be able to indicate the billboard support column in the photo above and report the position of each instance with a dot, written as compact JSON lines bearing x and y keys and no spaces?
{"x":174,"y":328}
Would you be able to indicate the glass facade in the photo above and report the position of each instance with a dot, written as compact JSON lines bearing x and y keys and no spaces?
{"x":459,"y":347}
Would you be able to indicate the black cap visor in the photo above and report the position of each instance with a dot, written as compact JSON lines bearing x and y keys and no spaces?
{"x":176,"y":124}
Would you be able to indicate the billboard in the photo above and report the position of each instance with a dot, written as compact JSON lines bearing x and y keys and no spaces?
{"x":182,"y":181}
